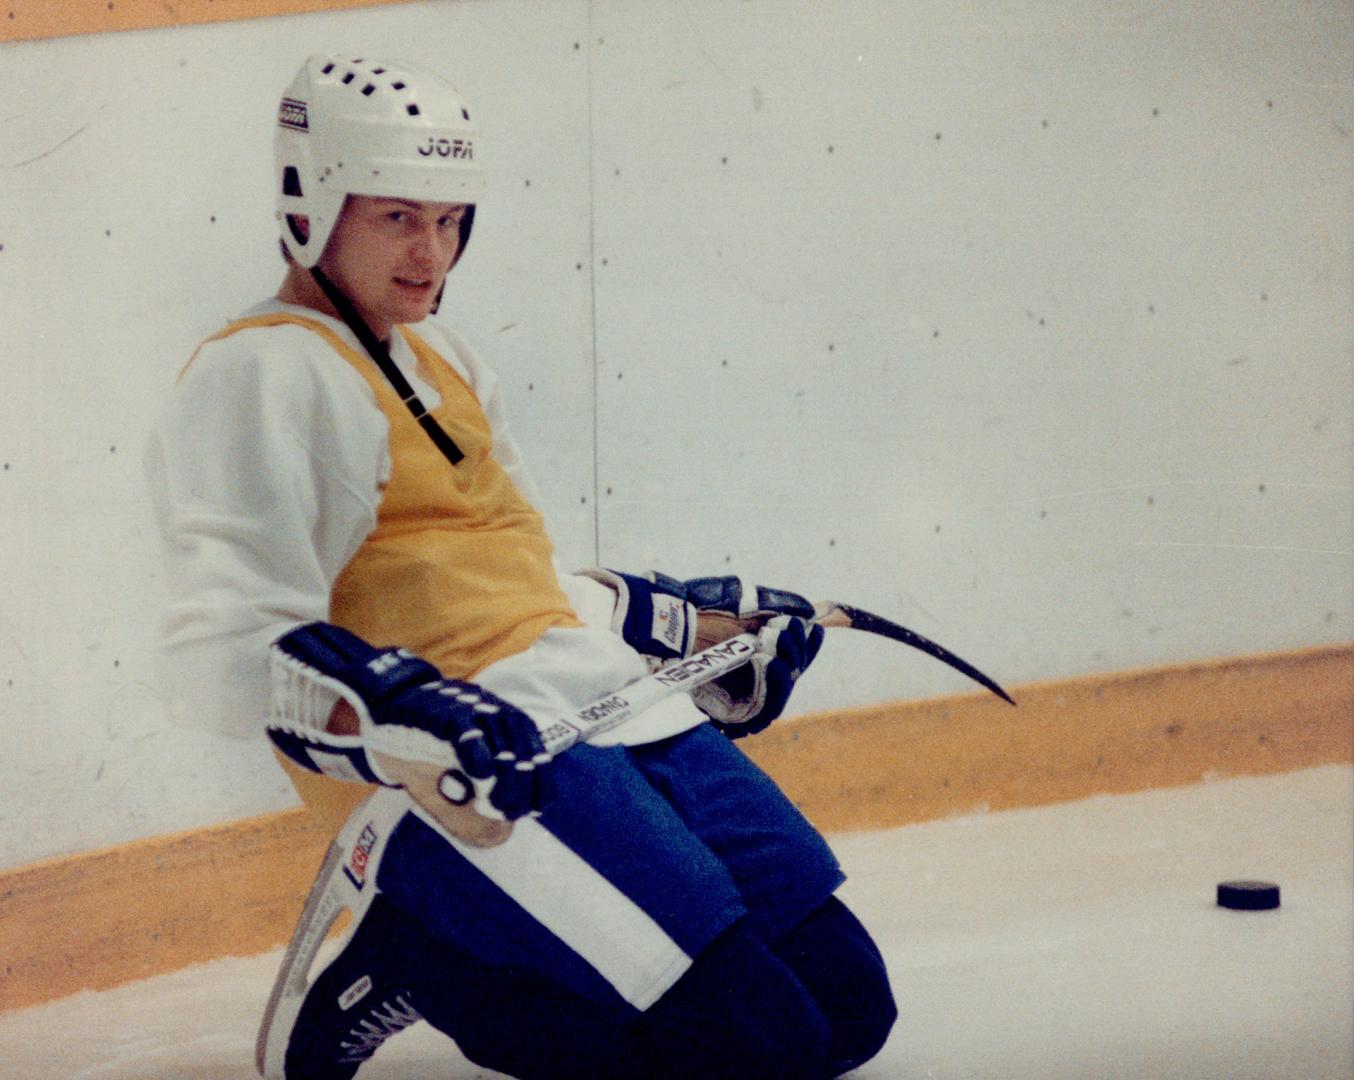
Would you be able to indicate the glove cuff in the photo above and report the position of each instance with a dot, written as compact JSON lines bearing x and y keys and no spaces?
{"x":652,"y":613}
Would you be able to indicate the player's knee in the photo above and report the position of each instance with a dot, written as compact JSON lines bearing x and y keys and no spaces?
{"x":837,"y":961}
{"x":738,"y":1012}
{"x":860,"y":1030}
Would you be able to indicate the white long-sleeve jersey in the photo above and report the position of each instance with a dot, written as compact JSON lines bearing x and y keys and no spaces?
{"x":267,"y":469}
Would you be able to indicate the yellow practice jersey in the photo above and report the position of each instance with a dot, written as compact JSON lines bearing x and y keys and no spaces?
{"x":459,"y":568}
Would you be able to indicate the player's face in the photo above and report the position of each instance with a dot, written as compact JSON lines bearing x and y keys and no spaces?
{"x":390,"y":256}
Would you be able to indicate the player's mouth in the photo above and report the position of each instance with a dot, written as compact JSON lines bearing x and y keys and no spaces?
{"x":416,"y":285}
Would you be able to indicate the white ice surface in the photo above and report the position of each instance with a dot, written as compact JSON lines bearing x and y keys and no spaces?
{"x":1074,"y":942}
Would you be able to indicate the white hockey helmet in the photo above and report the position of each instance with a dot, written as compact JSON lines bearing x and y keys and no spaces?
{"x":349,"y":126}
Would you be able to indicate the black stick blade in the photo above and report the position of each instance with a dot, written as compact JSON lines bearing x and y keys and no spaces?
{"x":877,"y":624}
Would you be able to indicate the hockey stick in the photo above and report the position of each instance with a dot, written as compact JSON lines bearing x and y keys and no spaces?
{"x":303,"y":699}
{"x":721,"y":658}
{"x":444,"y":794}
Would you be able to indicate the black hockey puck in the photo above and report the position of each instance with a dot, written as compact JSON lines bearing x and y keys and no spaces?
{"x":1248,"y":895}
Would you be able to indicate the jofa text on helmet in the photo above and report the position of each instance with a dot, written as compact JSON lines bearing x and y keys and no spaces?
{"x":462,"y":149}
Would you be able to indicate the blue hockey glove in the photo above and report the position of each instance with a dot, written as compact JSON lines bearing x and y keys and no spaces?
{"x":747,"y":699}
{"x":413,"y":722}
{"x":664,"y":618}
{"x":652,"y":613}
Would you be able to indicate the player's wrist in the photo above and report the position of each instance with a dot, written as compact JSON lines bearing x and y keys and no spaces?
{"x":343,"y":719}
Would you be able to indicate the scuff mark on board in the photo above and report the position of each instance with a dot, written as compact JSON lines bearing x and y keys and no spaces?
{"x":48,"y":153}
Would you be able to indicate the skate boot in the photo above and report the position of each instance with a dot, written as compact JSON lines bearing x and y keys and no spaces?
{"x":323,"y":1026}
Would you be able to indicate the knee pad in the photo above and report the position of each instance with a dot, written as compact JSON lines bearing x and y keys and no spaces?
{"x":521,"y":1024}
{"x":738,"y":1012}
{"x":838,"y":963}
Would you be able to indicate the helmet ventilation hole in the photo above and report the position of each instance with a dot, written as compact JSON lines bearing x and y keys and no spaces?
{"x":397,"y":86}
{"x":369,"y":89}
{"x":349,"y":77}
{"x":291,"y":181}
{"x":412,"y":110}
{"x":327,"y":69}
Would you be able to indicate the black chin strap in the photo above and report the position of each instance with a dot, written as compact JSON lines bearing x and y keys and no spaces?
{"x":381,"y":355}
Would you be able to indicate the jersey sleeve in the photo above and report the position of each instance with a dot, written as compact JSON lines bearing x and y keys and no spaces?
{"x":265,"y":471}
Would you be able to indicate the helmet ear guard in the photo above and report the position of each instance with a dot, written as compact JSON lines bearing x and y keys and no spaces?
{"x":349,"y":126}
{"x":291,"y":187}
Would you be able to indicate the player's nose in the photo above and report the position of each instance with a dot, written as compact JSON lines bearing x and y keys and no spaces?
{"x":431,"y":249}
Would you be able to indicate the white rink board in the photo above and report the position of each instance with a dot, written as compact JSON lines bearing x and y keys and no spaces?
{"x":1024,"y":324}
{"x":1001,"y":319}
{"x":1060,"y":943}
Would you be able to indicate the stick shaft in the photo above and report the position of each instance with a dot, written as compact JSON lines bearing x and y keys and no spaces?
{"x":677,"y":677}
{"x":681,"y":676}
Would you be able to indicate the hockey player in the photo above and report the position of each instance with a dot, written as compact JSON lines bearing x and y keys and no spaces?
{"x":340,"y":498}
